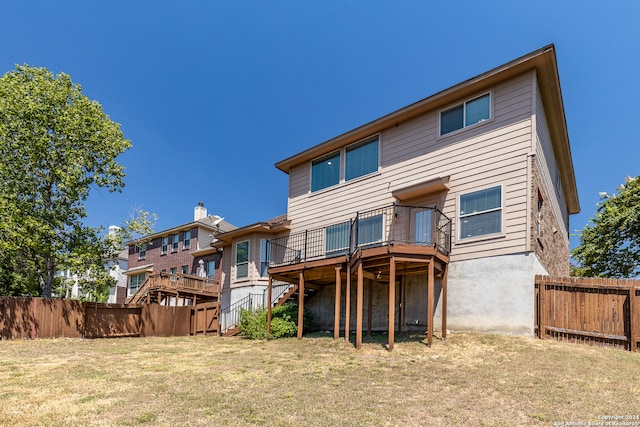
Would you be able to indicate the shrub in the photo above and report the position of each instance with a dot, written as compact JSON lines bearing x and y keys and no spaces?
{"x":284,"y":322}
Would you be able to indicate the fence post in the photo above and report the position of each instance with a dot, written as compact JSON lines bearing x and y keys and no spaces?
{"x":542,"y":306}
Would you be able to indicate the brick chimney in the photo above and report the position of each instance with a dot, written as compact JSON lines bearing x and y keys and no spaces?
{"x":199,"y":212}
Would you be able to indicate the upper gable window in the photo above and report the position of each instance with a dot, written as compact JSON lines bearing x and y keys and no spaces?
{"x":361,"y":159}
{"x":325,"y":172}
{"x":468,"y":113}
{"x":346,"y":164}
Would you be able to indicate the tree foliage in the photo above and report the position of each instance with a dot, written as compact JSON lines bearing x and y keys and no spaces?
{"x":610,"y":244}
{"x":56,"y":145}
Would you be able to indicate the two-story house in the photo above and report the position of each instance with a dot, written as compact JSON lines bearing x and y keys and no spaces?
{"x":442,"y":211}
{"x":184,"y":250}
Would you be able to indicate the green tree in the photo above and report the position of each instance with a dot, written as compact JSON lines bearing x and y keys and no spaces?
{"x":55,"y":144}
{"x":610,"y":244}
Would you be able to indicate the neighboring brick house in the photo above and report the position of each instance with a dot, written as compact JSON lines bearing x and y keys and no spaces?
{"x":178,"y":250}
{"x":458,"y":199}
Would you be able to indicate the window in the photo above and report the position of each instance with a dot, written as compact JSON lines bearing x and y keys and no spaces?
{"x":242,"y":259}
{"x":423,"y":228}
{"x":539,"y":218}
{"x":325,"y":172}
{"x":211,"y":269}
{"x":361,"y":159}
{"x":165,"y":245}
{"x":336,"y":237}
{"x":466,"y":114}
{"x":142,"y":252}
{"x":135,"y":281}
{"x":264,"y":258}
{"x":185,"y":269}
{"x":163,"y":270}
{"x":370,"y":230}
{"x":173,"y":270}
{"x":175,"y":238}
{"x":481,"y":213}
{"x":186,"y":242}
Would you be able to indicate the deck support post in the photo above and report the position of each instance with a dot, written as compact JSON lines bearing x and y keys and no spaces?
{"x":369,"y":306}
{"x":359,"y":306}
{"x":269,"y":299}
{"x":430,"y":303}
{"x":336,"y":319}
{"x":347,"y":307}
{"x":301,"y":305}
{"x":392,"y":301}
{"x":401,"y":303}
{"x":444,"y":302}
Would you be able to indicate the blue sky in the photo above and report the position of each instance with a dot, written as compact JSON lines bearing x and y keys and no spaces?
{"x":212,"y":94}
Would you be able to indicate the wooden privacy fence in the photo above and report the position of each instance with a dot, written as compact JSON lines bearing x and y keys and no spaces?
{"x":604,"y":312}
{"x":31,"y":318}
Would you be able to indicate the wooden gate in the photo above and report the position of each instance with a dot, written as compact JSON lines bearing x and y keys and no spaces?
{"x":205,"y":318}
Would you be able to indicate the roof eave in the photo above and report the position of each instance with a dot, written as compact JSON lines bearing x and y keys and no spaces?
{"x":542,"y":60}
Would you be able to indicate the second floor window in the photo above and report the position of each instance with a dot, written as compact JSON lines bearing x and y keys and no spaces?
{"x":142,"y":252}
{"x":242,"y":260}
{"x":185,"y":269}
{"x":165,"y":245}
{"x":211,"y":269}
{"x":175,"y":238}
{"x":186,"y":243}
{"x":481,"y":213}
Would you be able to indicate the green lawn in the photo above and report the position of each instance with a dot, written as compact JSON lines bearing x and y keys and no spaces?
{"x":466,"y":380}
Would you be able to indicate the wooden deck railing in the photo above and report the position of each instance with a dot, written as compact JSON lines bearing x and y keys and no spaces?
{"x":182,"y":281}
{"x":393,"y":224}
{"x":603,"y":312}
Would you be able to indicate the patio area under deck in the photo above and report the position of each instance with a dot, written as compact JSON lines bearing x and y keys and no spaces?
{"x":384,"y":262}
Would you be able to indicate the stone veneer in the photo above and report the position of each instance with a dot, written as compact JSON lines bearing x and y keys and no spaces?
{"x":551,"y":247}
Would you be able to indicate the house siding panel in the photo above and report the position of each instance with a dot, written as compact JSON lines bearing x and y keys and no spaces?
{"x":492,"y":153}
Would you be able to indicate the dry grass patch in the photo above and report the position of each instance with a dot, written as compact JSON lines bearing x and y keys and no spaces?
{"x":466,"y":380}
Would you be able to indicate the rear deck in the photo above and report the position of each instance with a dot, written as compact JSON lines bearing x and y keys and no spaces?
{"x":176,"y":289}
{"x":379,"y":247}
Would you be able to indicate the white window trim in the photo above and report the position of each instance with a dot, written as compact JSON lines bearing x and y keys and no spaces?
{"x":343,"y":164}
{"x":176,"y":243}
{"x":464,"y":115}
{"x":235,"y":258}
{"x":500,"y":234}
